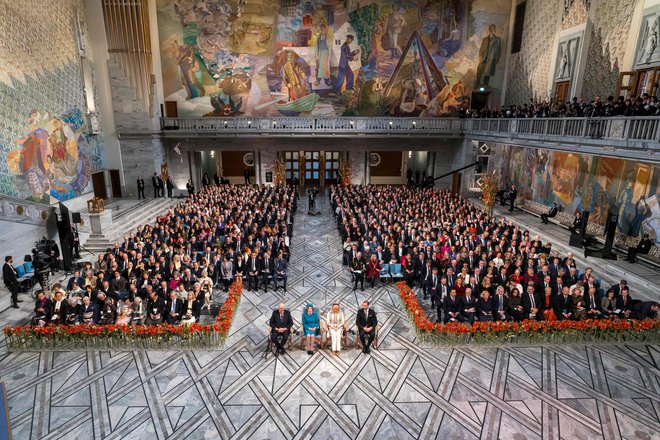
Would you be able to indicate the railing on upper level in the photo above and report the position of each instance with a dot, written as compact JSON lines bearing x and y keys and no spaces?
{"x":617,"y":129}
{"x":309,"y":125}
{"x":613,"y":128}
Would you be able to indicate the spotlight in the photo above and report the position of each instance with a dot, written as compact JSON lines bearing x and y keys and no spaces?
{"x":225,"y":124}
{"x":351,"y":124}
{"x":249,"y":124}
{"x":482,"y":89}
{"x":390,"y":124}
{"x":414,"y":124}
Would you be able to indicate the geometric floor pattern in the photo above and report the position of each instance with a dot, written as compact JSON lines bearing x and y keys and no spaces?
{"x":402,"y":390}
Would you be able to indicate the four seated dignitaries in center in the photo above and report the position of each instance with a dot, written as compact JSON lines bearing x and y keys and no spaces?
{"x":280,"y":324}
{"x":366,"y":322}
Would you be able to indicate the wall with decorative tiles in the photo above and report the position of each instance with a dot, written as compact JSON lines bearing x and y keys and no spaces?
{"x":609,"y":27}
{"x":46,"y":150}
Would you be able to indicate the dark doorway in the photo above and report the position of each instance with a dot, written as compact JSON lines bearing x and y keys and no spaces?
{"x":479,"y":100}
{"x":115,"y":182}
{"x":171,"y":109}
{"x":98,"y":182}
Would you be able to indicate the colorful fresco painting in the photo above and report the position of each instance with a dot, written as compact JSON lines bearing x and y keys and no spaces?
{"x":53,"y":156}
{"x":330,"y":57}
{"x":592,"y":183}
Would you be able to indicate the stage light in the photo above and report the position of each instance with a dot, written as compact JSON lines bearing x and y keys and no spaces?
{"x":482,"y":89}
{"x":249,"y":124}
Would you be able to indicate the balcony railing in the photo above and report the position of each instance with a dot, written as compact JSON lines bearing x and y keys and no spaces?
{"x":611,"y":129}
{"x":623,"y":128}
{"x":324,"y":126}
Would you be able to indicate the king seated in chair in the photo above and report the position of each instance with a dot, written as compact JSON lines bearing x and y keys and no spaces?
{"x":280,"y":324}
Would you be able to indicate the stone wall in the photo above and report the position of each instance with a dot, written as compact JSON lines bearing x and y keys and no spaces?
{"x":609,"y":30}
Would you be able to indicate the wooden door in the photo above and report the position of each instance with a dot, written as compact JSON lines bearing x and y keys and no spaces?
{"x":626,"y":84}
{"x":98,"y":183}
{"x":171,"y":109}
{"x":115,"y":182}
{"x":647,"y":81}
{"x":456,"y":183}
{"x":561,"y":91}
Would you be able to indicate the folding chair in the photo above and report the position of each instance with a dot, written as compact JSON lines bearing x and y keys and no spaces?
{"x":395,"y":272}
{"x":385,"y":272}
{"x":358,"y":343}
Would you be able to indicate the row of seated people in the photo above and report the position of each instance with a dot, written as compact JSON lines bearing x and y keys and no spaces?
{"x":443,"y":242}
{"x":203,"y":242}
{"x":335,"y":327}
{"x":518,"y":306}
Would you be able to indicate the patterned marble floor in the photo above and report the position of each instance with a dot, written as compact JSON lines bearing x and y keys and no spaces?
{"x":402,"y":390}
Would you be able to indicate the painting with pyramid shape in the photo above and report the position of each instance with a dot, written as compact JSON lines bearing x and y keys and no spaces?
{"x":415,"y":81}
{"x":268,"y":58}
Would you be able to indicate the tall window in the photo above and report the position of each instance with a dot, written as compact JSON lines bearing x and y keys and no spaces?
{"x":291,"y":165}
{"x":312,"y":167}
{"x":331,"y":167}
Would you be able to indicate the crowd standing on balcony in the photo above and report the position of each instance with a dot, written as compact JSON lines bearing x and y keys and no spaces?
{"x":470,"y":267}
{"x":644,"y":105}
{"x":166,"y":273}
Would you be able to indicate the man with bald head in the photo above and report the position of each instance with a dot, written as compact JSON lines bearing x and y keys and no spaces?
{"x":280,"y":327}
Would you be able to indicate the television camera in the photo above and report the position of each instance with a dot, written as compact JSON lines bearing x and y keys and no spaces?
{"x":45,"y":259}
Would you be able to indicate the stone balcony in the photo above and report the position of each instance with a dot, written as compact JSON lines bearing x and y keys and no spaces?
{"x":625,"y":137}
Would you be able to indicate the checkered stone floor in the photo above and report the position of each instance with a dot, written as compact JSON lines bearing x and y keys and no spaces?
{"x":402,"y":390}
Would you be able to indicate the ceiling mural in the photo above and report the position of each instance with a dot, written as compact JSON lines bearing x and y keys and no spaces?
{"x":329,"y":57}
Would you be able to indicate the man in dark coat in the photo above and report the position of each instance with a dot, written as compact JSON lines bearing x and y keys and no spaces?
{"x":280,"y":327}
{"x":140,"y":188}
{"x":10,"y":278}
{"x":366,"y":322}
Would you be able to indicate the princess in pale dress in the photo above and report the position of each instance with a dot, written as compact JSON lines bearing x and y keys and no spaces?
{"x":336,"y":327}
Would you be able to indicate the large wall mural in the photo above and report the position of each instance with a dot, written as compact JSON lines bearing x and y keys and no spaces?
{"x":46,"y":152}
{"x":592,"y":183}
{"x":330,"y":57}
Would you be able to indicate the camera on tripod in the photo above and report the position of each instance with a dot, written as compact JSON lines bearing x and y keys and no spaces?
{"x":44,"y":255}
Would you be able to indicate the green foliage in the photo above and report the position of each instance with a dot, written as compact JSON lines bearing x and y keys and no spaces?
{"x":363,"y":21}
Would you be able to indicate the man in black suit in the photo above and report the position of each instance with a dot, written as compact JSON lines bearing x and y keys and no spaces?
{"x":645,"y":309}
{"x":170,"y":187}
{"x":253,"y":268}
{"x":512,"y":197}
{"x":161,"y":186}
{"x":452,"y":308}
{"x":10,"y":277}
{"x":266,"y":270}
{"x":280,"y":327}
{"x":156,"y":185}
{"x":563,"y":304}
{"x":551,"y":213}
{"x":531,"y":304}
{"x":592,"y":303}
{"x":279,"y":272}
{"x":155,"y":310}
{"x":173,"y":309}
{"x":500,"y":305}
{"x":643,"y":247}
{"x":140,"y":188}
{"x":468,"y":306}
{"x":431,"y":286}
{"x":366,"y":321}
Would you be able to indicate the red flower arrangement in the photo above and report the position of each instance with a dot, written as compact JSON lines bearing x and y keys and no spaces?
{"x":113,"y":336}
{"x":590,"y":330}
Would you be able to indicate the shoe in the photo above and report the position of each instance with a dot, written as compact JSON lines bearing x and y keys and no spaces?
{"x":310,"y":352}
{"x":364,"y":350}
{"x":282,"y":351}
{"x":277,"y":353}
{"x":15,"y":306}
{"x":19,"y":300}
{"x":368,"y":350}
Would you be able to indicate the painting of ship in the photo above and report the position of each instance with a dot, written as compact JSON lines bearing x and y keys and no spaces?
{"x":301,"y":105}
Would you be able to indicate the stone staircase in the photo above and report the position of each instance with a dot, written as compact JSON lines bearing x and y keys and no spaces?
{"x":127,"y":221}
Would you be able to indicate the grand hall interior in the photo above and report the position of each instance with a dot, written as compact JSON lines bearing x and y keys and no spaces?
{"x":330,"y":219}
